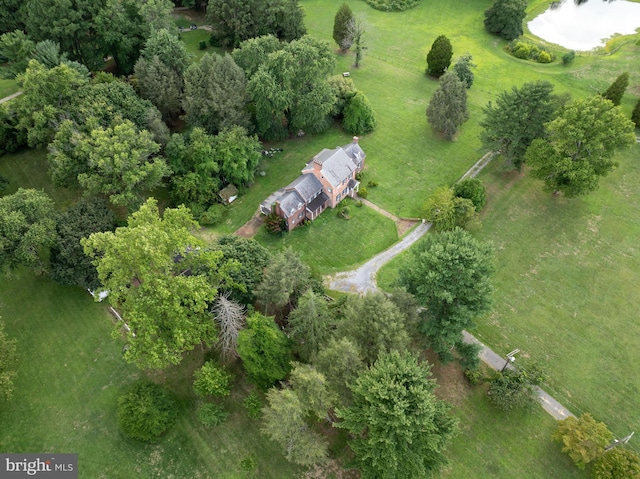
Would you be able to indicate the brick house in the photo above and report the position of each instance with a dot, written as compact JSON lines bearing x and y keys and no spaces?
{"x":328,"y":178}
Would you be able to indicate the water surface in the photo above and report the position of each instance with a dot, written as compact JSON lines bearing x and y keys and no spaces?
{"x":586,"y":25}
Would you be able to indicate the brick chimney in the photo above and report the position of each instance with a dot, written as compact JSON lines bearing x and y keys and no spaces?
{"x":355,"y":140}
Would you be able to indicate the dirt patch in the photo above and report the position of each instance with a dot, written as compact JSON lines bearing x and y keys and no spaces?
{"x":251,"y":227}
{"x":331,"y":470}
{"x":452,"y":384}
{"x":404,"y":225}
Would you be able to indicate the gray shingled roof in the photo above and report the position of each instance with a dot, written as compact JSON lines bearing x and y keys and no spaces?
{"x":290,"y":202}
{"x":355,"y":153}
{"x":336,"y":165}
{"x":306,"y":185}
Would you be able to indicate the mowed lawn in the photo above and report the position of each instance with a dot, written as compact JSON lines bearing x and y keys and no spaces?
{"x":70,"y":375}
{"x":330,"y":244}
{"x":567,"y":288}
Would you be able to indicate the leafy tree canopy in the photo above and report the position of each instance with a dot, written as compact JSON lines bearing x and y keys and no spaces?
{"x":579,"y":145}
{"x":264,"y":350}
{"x":517,"y":118}
{"x":617,"y":463}
{"x":505,"y":18}
{"x":400,"y":428}
{"x":449,"y":274}
{"x":27,"y":229}
{"x":143,"y":267}
{"x":583,"y":439}
{"x":69,"y":264}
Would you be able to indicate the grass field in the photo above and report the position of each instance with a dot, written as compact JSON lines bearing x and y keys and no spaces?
{"x":7,"y":87}
{"x":329,"y":246}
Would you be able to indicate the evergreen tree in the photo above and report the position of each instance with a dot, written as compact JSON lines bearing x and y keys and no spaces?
{"x":215,"y":94}
{"x":439,"y":57}
{"x":161,"y":85}
{"x":309,"y":324}
{"x":447,"y":110}
{"x":505,"y":18}
{"x":617,"y":89}
{"x":358,"y":115}
{"x":341,"y":22}
{"x":463,"y":67}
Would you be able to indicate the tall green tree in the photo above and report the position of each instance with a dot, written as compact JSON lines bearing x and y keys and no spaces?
{"x":157,"y":15}
{"x":284,"y":422}
{"x":11,"y":15}
{"x":447,"y":109}
{"x":215,"y":94}
{"x":290,"y":90}
{"x":27,"y":229}
{"x":463,"y":67}
{"x":121,"y":164}
{"x":341,"y":36}
{"x":439,"y":57}
{"x":340,"y":362}
{"x":71,"y":24}
{"x":505,"y":18}
{"x":196,"y":170}
{"x":69,"y":264}
{"x":122,"y":31}
{"x":374,"y":324}
{"x":358,"y":116}
{"x":579,"y":145}
{"x":449,"y":274}
{"x":309,"y":324}
{"x":8,"y":363}
{"x":400,"y":429}
{"x":265,"y":351}
{"x":617,"y":89}
{"x":285,"y":279}
{"x":253,"y":52}
{"x":48,"y":94}
{"x":161,"y":85}
{"x":17,"y":48}
{"x":311,"y":386}
{"x":234,"y":21}
{"x":238,"y":155}
{"x":252,"y":257}
{"x":583,"y":439}
{"x":516,"y":119}
{"x":142,"y":266}
{"x":171,"y":51}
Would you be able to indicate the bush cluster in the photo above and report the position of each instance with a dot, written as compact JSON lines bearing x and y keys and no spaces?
{"x":393,"y":5}
{"x":210,"y":414}
{"x":529,"y":51}
{"x":146,"y":412}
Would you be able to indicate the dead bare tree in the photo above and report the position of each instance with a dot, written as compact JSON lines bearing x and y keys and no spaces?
{"x":229,"y":316}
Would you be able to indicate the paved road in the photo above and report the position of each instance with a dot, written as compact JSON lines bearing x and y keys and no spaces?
{"x":10,"y":97}
{"x":363,"y":279}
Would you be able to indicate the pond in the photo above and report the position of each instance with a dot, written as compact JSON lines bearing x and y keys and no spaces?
{"x":584,"y":25}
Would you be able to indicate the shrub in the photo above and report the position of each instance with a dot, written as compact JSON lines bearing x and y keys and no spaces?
{"x":344,"y":90}
{"x":358,"y":115}
{"x":473,"y":190}
{"x":362,"y":192}
{"x":274,"y":223}
{"x":212,"y":380}
{"x":4,"y":182}
{"x":359,"y":204}
{"x":393,"y":5}
{"x":210,"y":414}
{"x":568,"y":58}
{"x":213,"y":215}
{"x":253,"y":404}
{"x":372,"y":183}
{"x":146,"y":412}
{"x":202,"y":45}
{"x":544,"y":57}
{"x":344,"y":211}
